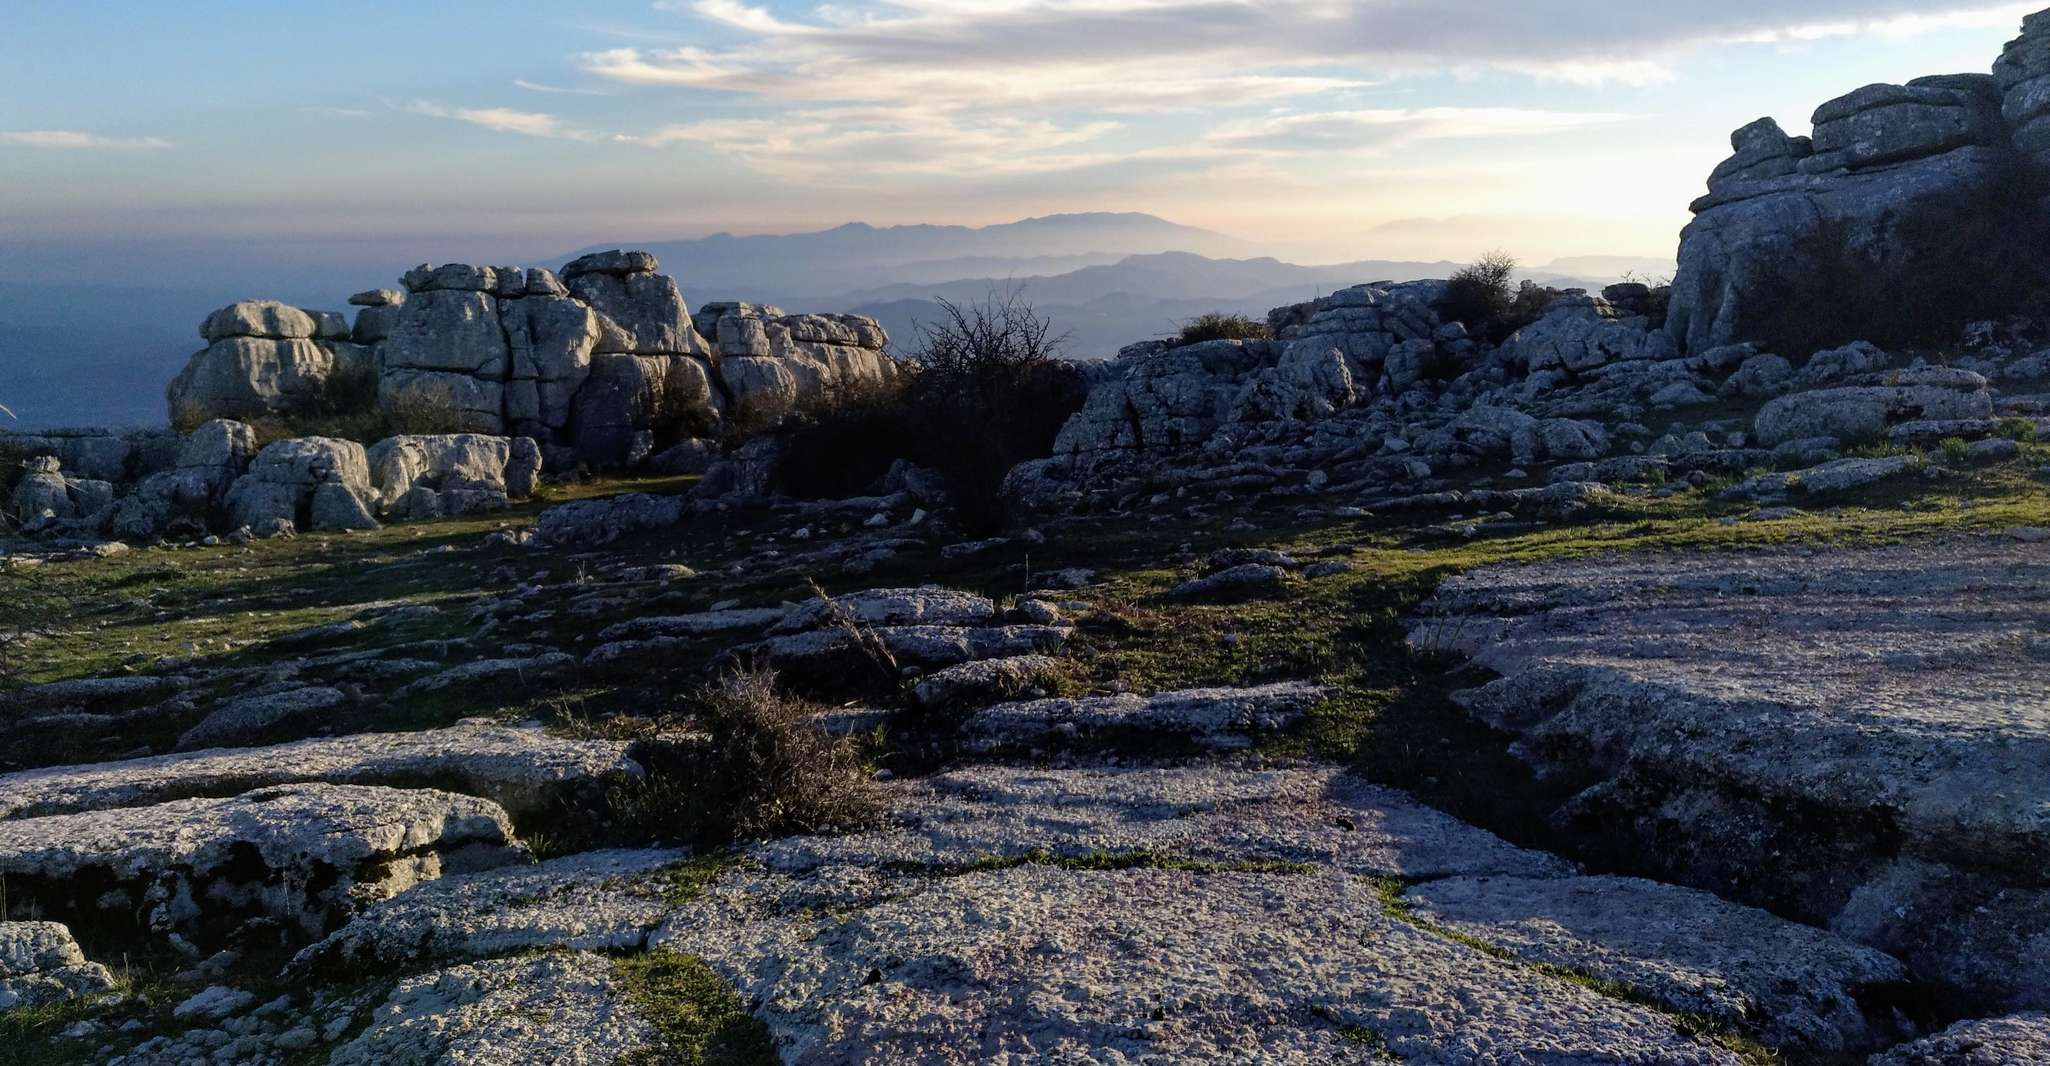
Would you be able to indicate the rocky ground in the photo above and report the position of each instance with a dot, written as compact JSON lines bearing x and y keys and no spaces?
{"x":1665,"y":778}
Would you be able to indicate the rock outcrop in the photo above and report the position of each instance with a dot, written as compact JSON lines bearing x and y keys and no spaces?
{"x":604,"y":362}
{"x":1778,"y":727}
{"x":263,"y":358}
{"x":1909,"y":211}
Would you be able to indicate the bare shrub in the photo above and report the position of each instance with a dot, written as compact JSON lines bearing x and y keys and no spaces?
{"x":983,"y":389}
{"x":1480,"y":294}
{"x":765,"y":770}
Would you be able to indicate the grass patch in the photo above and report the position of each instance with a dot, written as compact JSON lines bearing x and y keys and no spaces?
{"x":1697,"y":1026}
{"x":683,"y":881}
{"x":697,"y":1015}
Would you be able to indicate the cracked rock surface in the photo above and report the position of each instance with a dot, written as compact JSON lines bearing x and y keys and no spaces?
{"x":1853,"y":735}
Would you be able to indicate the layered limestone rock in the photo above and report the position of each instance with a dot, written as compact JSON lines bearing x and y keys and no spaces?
{"x":310,"y":482}
{"x":771,"y":362}
{"x":301,"y":854}
{"x":461,"y":473}
{"x":605,"y":360}
{"x":1846,"y":735}
{"x":1907,"y":212}
{"x":1327,"y":355}
{"x":263,"y":358}
{"x":523,"y":770}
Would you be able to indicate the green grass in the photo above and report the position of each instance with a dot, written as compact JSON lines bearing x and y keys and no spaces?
{"x":699,"y":1018}
{"x":1698,"y":1026}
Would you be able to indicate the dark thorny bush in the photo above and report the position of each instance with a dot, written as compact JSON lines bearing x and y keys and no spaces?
{"x":1480,"y":294}
{"x":983,"y":390}
{"x":766,"y":770}
{"x":1217,"y":326}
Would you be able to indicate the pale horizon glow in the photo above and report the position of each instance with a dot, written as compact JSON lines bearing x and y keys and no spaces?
{"x":1317,"y":130}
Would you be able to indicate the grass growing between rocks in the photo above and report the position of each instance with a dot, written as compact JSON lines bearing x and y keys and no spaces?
{"x":1698,"y":1026}
{"x":699,"y":1017}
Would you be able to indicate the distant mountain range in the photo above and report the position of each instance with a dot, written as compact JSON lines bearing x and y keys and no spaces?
{"x":101,"y":354}
{"x":783,"y":269}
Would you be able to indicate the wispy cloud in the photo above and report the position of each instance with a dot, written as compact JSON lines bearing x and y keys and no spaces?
{"x":72,"y":139}
{"x":503,"y":119}
{"x":557,"y":90}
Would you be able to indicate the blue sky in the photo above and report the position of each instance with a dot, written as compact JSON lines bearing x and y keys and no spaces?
{"x":1322,"y":129}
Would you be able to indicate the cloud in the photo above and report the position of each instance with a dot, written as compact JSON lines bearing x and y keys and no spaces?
{"x":557,"y":90}
{"x":503,"y":119}
{"x":1006,"y":87}
{"x":1377,"y":130}
{"x":74,"y":139}
{"x":1175,"y":50}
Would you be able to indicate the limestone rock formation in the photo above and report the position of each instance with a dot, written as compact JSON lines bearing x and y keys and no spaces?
{"x":312,"y":482}
{"x":1910,"y":210}
{"x":1773,"y":726}
{"x":263,"y":358}
{"x":605,"y":362}
{"x":425,"y":476}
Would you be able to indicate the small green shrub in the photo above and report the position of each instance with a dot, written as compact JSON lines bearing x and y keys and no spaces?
{"x":1217,"y":326}
{"x":1954,"y":449}
{"x":2022,"y":430}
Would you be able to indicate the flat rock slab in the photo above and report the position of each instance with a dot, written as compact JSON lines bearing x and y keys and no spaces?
{"x":1043,"y":964}
{"x":1792,"y":985}
{"x":594,"y":901}
{"x":521,"y":769}
{"x":299,"y":852}
{"x":1855,"y":735}
{"x":2015,"y":1040}
{"x":1211,"y":717}
{"x":926,"y":646}
{"x":1204,"y":813}
{"x":559,"y":1008}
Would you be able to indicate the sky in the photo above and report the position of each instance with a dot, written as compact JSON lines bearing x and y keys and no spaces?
{"x":1322,"y":130}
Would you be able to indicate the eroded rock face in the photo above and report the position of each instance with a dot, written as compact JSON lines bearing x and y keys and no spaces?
{"x":312,"y":482}
{"x":605,"y":360}
{"x":425,"y":476}
{"x":1841,"y":734}
{"x":298,"y":853}
{"x":263,"y":358}
{"x":1907,"y":213}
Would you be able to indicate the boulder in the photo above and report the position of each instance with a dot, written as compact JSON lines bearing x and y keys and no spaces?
{"x":244,"y":376}
{"x":287,"y":476}
{"x":1856,"y":413}
{"x":1578,"y":334}
{"x":640,"y":312}
{"x":459,"y":473}
{"x":258,"y":318}
{"x":41,"y":964}
{"x":523,"y":770}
